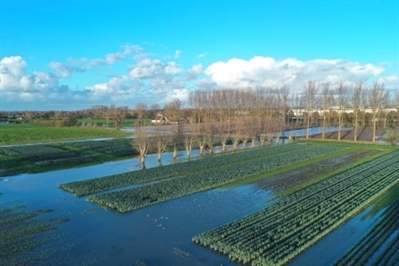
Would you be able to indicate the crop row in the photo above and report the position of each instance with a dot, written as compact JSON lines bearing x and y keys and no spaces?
{"x":321,"y":225}
{"x":30,"y":150}
{"x":307,"y":197}
{"x":286,"y":230}
{"x":66,"y":161}
{"x":373,"y":240}
{"x":131,"y":199}
{"x":51,"y":156}
{"x":282,"y":225}
{"x":112,"y":147}
{"x":86,"y":187}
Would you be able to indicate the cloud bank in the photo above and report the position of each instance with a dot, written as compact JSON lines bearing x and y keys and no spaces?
{"x":153,"y":80}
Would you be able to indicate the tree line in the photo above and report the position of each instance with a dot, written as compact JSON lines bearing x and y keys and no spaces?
{"x":257,"y":115}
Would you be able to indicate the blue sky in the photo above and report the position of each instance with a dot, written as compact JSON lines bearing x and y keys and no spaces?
{"x":67,"y":55}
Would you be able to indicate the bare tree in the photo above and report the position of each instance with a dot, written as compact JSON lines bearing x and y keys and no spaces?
{"x":356,"y":103}
{"x":172,"y":110}
{"x":189,"y":141}
{"x":141,"y":110}
{"x":326,"y":106}
{"x":310,"y":93}
{"x":141,"y":142}
{"x":160,"y":139}
{"x":210,"y":136}
{"x":342,"y":96}
{"x":119,"y":116}
{"x":376,"y":97}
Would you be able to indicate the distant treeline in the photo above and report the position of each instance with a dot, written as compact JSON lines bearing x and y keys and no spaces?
{"x":65,"y":122}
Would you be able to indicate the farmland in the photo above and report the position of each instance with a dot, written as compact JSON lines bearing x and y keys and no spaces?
{"x":29,"y":133}
{"x":280,"y":232}
{"x":44,"y":157}
{"x":131,"y":199}
{"x":226,"y":202}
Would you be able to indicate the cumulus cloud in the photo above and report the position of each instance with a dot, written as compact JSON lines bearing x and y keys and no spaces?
{"x":116,"y":89}
{"x":266,"y":71}
{"x":154,"y":68}
{"x":160,"y":81}
{"x":195,"y":71}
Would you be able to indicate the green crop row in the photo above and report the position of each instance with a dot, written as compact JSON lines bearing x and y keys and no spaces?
{"x":86,"y":187}
{"x":131,"y":199}
{"x":307,"y":197}
{"x":373,"y":240}
{"x":66,"y":161}
{"x":278,"y":233}
{"x":29,"y":150}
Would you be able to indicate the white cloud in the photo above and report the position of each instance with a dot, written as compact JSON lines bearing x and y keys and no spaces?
{"x":159,"y":81}
{"x":177,"y":53}
{"x":202,"y":55}
{"x":154,"y":68}
{"x":62,"y":71}
{"x":195,"y":71}
{"x":266,"y":71}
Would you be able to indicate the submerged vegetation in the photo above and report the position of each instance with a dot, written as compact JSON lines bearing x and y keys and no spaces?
{"x":23,"y":233}
{"x":42,"y":157}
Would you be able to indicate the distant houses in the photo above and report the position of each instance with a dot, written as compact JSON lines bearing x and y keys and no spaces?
{"x":4,"y":120}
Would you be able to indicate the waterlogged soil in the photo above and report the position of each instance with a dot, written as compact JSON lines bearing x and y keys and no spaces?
{"x":160,"y":234}
{"x":363,"y":134}
{"x":300,"y":176}
{"x":333,"y":246}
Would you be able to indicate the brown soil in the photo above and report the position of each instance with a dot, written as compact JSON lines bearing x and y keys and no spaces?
{"x":363,"y":134}
{"x":290,"y":179}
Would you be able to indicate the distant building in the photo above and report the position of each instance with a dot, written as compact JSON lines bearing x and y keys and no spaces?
{"x":4,"y":120}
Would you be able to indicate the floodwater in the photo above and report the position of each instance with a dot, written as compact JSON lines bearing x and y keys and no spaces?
{"x":335,"y":244}
{"x":159,"y":234}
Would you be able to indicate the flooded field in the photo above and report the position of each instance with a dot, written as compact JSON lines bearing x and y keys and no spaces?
{"x":160,"y":234}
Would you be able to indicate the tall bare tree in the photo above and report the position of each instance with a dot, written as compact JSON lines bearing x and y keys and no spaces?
{"x":326,"y":103}
{"x":310,"y":94}
{"x":342,"y":100}
{"x":356,"y":104}
{"x":376,"y":95}
{"x":141,"y":110}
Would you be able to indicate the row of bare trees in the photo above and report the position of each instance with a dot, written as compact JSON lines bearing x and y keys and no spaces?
{"x":257,"y":115}
{"x":342,"y":99}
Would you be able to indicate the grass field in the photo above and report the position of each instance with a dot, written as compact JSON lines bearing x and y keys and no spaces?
{"x":27,"y":133}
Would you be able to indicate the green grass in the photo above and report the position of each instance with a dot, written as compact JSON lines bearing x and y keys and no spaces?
{"x":27,"y":133}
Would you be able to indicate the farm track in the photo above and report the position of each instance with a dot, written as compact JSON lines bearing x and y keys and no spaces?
{"x":92,"y":186}
{"x":131,"y":199}
{"x":280,"y":232}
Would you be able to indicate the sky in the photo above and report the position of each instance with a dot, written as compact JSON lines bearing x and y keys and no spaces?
{"x":71,"y":55}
